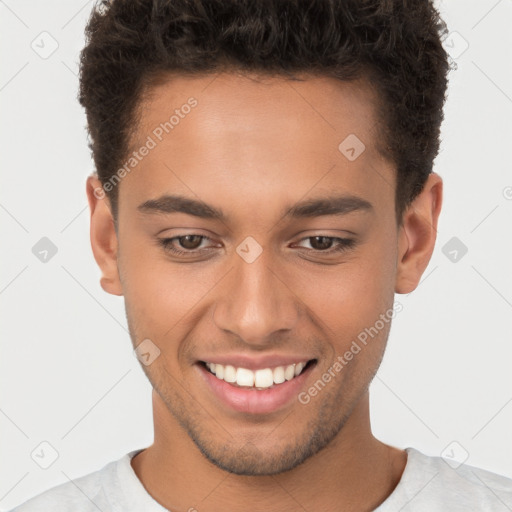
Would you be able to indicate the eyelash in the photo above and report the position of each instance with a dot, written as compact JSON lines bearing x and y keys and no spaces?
{"x":343,"y":245}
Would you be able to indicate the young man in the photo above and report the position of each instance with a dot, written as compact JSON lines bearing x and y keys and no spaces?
{"x":264,"y":187}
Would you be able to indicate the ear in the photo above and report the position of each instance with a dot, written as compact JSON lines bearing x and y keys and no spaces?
{"x":417,"y":235}
{"x":103,"y":236}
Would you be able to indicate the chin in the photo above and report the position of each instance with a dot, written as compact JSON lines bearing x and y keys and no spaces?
{"x":249,"y":459}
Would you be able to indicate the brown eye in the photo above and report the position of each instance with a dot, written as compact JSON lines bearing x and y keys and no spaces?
{"x":184,"y":245}
{"x":329,"y":244}
{"x":190,"y":242}
{"x":321,"y":243}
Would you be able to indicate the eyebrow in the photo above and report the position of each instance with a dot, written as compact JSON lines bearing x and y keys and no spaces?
{"x":316,"y":207}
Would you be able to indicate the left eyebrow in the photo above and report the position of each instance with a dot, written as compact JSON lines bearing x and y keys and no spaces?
{"x":322,"y":206}
{"x":336,"y":205}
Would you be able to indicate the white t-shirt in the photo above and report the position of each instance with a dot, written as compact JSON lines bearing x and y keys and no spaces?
{"x":428,"y":484}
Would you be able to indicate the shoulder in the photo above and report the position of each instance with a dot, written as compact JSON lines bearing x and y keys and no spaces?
{"x":436,"y":484}
{"x":85,"y":493}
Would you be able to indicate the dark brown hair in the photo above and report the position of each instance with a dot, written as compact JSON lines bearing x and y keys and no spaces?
{"x":394,"y":44}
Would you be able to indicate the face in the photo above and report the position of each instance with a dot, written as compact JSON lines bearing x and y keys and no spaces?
{"x":277,"y":249}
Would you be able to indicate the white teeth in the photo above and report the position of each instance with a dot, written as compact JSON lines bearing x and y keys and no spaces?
{"x":263,"y":378}
{"x":279,"y":375}
{"x":289,"y":372}
{"x":229,"y":373}
{"x":260,"y":379}
{"x":244,"y":377}
{"x":298,"y":368}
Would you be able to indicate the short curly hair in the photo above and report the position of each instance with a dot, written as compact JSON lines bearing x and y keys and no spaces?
{"x":394,"y":44}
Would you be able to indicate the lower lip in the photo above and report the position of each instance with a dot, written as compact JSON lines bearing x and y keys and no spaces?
{"x":252,"y":400}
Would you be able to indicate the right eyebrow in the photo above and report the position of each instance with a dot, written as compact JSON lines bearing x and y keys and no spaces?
{"x":180,"y":204}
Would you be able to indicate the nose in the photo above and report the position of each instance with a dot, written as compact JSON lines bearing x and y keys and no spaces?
{"x":257,"y":304}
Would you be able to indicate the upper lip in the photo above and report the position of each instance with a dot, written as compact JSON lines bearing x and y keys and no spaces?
{"x":256,"y":362}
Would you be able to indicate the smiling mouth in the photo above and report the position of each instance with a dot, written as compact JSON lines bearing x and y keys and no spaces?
{"x":264,"y":378}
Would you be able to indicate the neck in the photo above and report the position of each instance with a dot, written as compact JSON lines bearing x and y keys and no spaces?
{"x":355,"y":469}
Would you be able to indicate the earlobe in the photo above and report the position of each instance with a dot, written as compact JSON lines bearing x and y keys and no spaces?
{"x":103,"y":235}
{"x":417,"y":235}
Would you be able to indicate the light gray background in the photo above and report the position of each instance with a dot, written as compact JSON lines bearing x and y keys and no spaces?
{"x":68,"y":375}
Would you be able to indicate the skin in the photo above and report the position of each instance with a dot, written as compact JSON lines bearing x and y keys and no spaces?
{"x":254,"y":147}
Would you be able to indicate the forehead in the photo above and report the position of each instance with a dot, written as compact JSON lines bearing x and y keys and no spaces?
{"x":310,"y":106}
{"x":245,"y":136}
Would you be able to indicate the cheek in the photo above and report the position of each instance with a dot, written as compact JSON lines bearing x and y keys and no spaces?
{"x":351,"y":296}
{"x":161,"y":297}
